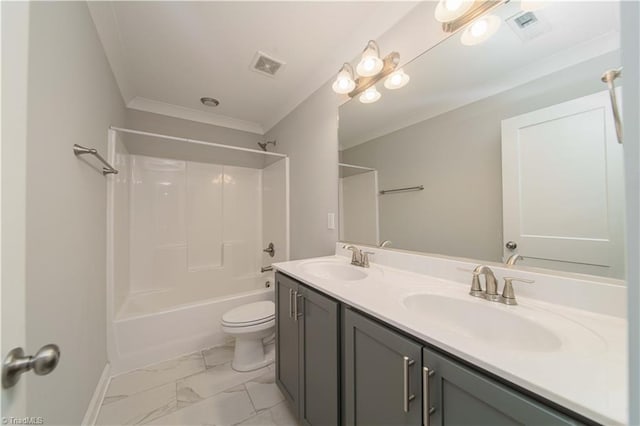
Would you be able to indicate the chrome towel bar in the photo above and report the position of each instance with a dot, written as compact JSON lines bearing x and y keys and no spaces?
{"x":410,"y":188}
{"x":81,"y":150}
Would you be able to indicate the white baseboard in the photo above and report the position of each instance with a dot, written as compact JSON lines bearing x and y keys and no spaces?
{"x":93,"y":409}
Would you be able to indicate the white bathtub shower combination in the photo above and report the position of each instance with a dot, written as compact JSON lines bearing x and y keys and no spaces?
{"x":187,"y":227}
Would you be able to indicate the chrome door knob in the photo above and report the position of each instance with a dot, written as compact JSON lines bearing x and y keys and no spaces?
{"x":16,"y":363}
{"x":511,"y":245}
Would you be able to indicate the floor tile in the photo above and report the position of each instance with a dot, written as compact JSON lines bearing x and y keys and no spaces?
{"x":218,"y":355}
{"x":261,"y":419}
{"x":152,"y":376}
{"x":139,"y":408}
{"x":212,"y":381}
{"x":225,"y":408}
{"x":282,"y":415}
{"x":263,"y":391}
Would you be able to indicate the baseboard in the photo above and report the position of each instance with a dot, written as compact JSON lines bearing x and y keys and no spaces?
{"x":93,"y":409}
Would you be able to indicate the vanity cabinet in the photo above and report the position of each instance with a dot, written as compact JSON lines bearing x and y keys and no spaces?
{"x":336,"y":366}
{"x":457,"y":395}
{"x":381,"y":374}
{"x":391,"y":379}
{"x":308,"y":351}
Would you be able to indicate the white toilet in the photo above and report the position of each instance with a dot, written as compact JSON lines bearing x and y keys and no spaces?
{"x":250,"y":324}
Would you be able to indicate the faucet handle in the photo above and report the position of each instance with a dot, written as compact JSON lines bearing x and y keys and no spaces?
{"x":508,"y":296}
{"x":365,"y":258}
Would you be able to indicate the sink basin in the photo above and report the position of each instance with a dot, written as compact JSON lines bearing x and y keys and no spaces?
{"x":334,"y":271}
{"x":494,"y":325}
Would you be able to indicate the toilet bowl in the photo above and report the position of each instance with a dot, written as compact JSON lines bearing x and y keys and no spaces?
{"x":250,"y":324}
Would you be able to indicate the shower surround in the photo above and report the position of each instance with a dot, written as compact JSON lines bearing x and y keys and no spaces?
{"x":186,"y":244}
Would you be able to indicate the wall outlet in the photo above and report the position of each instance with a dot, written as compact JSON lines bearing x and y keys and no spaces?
{"x":331,"y":221}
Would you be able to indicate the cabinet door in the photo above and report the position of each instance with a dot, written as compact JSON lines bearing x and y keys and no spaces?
{"x":319,"y":351}
{"x":460,"y":396}
{"x":287,"y":339}
{"x":382,"y":374}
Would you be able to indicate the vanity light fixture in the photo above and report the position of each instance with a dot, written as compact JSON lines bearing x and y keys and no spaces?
{"x":370,"y":70}
{"x":455,"y":14}
{"x":480,"y":30}
{"x":370,"y":95}
{"x":344,"y":81}
{"x":396,"y":80}
{"x":450,"y":10}
{"x":370,"y":64}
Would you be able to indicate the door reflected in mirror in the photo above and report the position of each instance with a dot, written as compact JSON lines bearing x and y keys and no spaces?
{"x":500,"y":148}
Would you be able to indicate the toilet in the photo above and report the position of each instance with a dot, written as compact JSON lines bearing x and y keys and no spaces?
{"x":250,"y":324}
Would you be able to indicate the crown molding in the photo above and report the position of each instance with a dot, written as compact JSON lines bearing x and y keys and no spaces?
{"x":163,"y":108}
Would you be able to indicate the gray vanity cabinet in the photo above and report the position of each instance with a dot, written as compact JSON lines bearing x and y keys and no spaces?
{"x":308,"y":351}
{"x":459,"y":396}
{"x":381,"y":374}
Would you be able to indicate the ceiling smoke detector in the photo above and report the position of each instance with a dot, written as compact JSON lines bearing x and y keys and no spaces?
{"x":210,"y":102}
{"x":266,"y":65}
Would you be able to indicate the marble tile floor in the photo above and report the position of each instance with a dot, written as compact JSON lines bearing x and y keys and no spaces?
{"x":196,"y":389}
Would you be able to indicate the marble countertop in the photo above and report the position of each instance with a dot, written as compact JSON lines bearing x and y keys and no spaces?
{"x":587,"y":373}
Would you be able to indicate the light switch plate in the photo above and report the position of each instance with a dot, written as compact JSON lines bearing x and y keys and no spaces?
{"x":331,"y":221}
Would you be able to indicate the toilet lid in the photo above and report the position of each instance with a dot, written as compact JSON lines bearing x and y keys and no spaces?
{"x":250,"y":313}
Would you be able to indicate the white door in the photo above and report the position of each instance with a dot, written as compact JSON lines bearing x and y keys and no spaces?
{"x":563,"y":186}
{"x":15,"y":23}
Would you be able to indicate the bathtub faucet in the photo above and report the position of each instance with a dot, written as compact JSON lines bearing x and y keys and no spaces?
{"x":266,"y":268}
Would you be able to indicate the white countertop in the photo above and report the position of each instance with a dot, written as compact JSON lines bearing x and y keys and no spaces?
{"x":586,"y":374}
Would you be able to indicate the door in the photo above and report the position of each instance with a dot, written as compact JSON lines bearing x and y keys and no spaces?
{"x":319,"y":352}
{"x":382,"y":374}
{"x":287,"y":339}
{"x":562,"y":179}
{"x":15,"y":29}
{"x":458,"y":396}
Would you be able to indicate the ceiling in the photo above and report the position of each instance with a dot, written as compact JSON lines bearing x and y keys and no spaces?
{"x":452,"y":75}
{"x":167,"y":55}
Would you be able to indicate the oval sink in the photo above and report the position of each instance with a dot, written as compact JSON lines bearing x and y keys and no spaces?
{"x":334,"y":271}
{"x":491,"y":324}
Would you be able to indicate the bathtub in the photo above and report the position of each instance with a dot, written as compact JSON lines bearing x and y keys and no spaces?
{"x":143,"y":334}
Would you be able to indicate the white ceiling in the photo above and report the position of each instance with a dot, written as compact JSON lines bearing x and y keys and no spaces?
{"x":167,"y":55}
{"x":452,"y":75}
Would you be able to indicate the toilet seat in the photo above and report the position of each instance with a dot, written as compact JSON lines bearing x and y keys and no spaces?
{"x":250,"y":314}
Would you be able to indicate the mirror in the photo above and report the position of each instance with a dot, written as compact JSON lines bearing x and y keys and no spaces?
{"x":501,"y":148}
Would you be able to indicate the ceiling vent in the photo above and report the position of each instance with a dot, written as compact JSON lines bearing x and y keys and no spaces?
{"x":528,"y":25}
{"x":266,"y":65}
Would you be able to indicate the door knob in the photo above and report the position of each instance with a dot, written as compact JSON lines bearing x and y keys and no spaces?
{"x":511,"y":245}
{"x":16,"y":363}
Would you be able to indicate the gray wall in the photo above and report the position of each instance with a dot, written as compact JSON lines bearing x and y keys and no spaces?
{"x":72,"y":98}
{"x":457,"y":157}
{"x":309,"y":136}
{"x":156,"y":123}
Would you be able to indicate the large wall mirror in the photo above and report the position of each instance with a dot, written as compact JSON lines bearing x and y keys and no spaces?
{"x":503,"y":147}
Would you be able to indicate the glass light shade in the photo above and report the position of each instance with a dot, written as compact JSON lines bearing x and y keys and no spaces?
{"x":370,"y":64}
{"x":370,"y":95}
{"x":344,"y":82}
{"x":450,"y":10}
{"x":480,"y":30}
{"x":396,"y":80}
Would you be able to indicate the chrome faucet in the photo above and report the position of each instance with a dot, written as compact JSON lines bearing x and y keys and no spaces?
{"x":358,"y":258}
{"x":491,"y":290}
{"x":513,"y":259}
{"x":384,"y":243}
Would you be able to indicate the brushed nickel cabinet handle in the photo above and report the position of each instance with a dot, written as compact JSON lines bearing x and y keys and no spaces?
{"x":295,"y":305}
{"x":427,"y":409}
{"x":408,"y":397}
{"x":290,"y":303}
